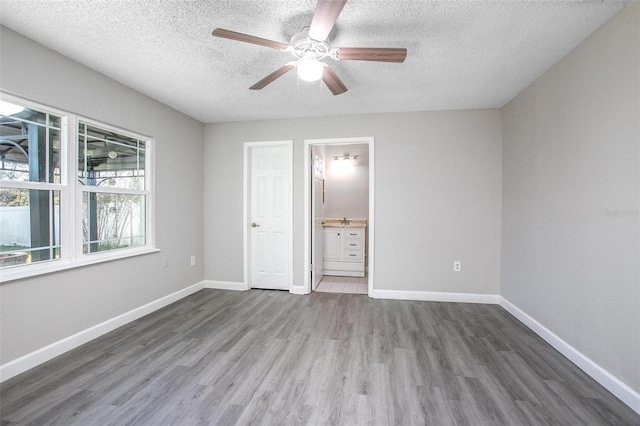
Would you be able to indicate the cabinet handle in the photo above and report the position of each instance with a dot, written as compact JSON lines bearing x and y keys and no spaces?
{"x":353,"y":245}
{"x":353,"y":234}
{"x":352,"y":255}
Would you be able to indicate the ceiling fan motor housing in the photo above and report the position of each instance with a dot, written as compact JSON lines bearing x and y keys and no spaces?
{"x":302,"y":46}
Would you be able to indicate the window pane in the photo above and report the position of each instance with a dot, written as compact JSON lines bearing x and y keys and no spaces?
{"x":29,"y":144}
{"x":111,"y":221}
{"x":29,"y":226}
{"x":109,"y":159}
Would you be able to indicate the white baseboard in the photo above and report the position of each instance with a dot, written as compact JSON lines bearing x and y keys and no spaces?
{"x":298,"y":289}
{"x":225,"y":285}
{"x":614,"y":385}
{"x":432,"y":296}
{"x":237,"y":286}
{"x":35,"y":358}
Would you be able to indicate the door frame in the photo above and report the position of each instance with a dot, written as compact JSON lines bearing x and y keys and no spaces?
{"x":246,"y":206}
{"x":369,"y":140}
{"x":314,"y":183}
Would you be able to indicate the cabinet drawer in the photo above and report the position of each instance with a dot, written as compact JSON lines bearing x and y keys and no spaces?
{"x":352,"y":244}
{"x":353,"y":233}
{"x":352,"y":255}
{"x":343,"y":266}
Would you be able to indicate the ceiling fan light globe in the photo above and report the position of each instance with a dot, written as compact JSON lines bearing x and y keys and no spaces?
{"x":310,"y":70}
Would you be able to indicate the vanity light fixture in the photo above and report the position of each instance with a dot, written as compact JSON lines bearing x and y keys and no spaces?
{"x":344,"y":165}
{"x":347,"y":157}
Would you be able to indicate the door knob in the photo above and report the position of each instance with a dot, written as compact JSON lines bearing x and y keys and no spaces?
{"x":254,"y":225}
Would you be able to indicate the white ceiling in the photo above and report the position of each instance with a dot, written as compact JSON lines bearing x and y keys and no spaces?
{"x":461,"y":54}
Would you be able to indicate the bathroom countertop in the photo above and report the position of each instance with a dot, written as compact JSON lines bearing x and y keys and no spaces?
{"x":353,"y":223}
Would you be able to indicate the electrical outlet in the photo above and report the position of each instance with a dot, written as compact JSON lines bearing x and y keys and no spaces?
{"x":165,"y":262}
{"x":457,"y":266}
{"x":193,"y":260}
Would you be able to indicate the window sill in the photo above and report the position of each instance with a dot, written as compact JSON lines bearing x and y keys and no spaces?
{"x":32,"y":270}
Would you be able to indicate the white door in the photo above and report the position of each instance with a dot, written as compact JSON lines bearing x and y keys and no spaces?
{"x":269,"y":217}
{"x":317,"y":240}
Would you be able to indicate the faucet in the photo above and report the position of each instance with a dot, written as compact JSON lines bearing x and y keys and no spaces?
{"x":345,"y":221}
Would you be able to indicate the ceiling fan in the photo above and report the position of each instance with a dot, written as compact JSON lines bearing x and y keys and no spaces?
{"x":311,"y":45}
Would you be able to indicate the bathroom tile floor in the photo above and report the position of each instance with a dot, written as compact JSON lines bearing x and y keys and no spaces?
{"x":352,"y":285}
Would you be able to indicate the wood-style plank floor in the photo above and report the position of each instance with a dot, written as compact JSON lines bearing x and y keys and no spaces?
{"x":270,"y":358}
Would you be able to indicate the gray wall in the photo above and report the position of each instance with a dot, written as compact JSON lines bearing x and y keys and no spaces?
{"x":437,"y":194}
{"x":571,"y":152}
{"x":38,"y":311}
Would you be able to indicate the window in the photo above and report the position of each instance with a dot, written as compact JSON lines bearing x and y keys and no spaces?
{"x":111,"y":171}
{"x":69,"y":194}
{"x":30,"y":170}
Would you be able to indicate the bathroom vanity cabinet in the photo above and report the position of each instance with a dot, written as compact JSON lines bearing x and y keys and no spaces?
{"x":344,"y":251}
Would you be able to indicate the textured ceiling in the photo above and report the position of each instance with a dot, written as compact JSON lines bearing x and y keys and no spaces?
{"x":461,"y":54}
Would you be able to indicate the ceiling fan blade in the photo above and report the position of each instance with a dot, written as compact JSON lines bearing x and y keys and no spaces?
{"x":379,"y":54}
{"x":232,"y":35}
{"x":332,"y":81}
{"x":324,"y":18}
{"x":271,"y":77}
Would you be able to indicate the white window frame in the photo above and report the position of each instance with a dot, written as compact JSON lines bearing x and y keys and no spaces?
{"x":71,"y":190}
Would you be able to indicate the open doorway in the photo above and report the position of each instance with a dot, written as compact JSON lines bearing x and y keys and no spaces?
{"x":339,"y":220}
